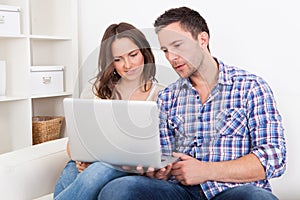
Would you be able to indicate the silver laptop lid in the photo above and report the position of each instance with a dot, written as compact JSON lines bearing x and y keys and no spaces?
{"x":114,"y":131}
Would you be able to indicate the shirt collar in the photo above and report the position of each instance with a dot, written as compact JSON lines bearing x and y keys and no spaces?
{"x":224,"y":74}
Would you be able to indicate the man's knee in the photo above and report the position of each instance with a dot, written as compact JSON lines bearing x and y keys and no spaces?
{"x":246,"y":192}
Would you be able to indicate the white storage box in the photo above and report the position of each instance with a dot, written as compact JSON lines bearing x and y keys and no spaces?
{"x":2,"y":78}
{"x":47,"y":79}
{"x":9,"y":20}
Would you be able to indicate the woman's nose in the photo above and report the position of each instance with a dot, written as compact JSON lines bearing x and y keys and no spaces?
{"x":126,"y":63}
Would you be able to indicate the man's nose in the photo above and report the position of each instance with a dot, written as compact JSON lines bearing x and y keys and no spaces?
{"x":171,"y":56}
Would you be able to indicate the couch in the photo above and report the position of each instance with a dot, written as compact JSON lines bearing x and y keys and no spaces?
{"x":31,"y":172}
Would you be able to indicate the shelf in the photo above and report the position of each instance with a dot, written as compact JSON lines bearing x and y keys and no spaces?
{"x":11,"y":98}
{"x":51,"y":95}
{"x":3,"y":36}
{"x":48,"y":37}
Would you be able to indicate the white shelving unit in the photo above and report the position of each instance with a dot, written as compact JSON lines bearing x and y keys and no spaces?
{"x":48,"y":37}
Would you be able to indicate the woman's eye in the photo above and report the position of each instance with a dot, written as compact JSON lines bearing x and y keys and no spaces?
{"x":133,"y":55}
{"x":116,"y":60}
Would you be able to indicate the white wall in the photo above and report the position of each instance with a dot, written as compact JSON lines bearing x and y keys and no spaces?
{"x":260,"y":36}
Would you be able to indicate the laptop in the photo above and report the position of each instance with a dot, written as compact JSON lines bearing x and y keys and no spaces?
{"x":118,"y":132}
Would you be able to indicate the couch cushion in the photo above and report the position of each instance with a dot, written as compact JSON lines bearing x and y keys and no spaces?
{"x":46,"y":197}
{"x":32,"y":172}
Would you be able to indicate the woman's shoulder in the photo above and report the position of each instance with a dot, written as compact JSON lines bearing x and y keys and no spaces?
{"x":156,"y":88}
{"x":160,"y":87}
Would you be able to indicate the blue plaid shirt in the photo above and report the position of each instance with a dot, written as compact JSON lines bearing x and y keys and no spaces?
{"x":239,"y":117}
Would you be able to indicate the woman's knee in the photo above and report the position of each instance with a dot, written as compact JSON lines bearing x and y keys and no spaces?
{"x":97,"y":173}
{"x":128,"y":187}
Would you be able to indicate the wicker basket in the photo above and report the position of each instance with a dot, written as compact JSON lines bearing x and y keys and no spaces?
{"x":46,"y":128}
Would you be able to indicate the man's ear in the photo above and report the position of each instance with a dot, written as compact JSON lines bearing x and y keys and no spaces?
{"x":203,"y":39}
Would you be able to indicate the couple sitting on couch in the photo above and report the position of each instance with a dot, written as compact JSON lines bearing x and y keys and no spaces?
{"x":222,"y":121}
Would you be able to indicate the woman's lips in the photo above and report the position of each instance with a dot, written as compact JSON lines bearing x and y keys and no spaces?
{"x":132,"y":71}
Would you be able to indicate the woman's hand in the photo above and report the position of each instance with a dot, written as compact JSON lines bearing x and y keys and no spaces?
{"x":138,"y":169}
{"x":161,"y":174}
{"x":81,"y":166}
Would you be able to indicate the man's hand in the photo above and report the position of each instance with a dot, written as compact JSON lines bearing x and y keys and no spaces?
{"x":81,"y":166}
{"x":189,"y":171}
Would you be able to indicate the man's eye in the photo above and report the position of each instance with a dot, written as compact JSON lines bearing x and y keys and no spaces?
{"x":177,"y":45}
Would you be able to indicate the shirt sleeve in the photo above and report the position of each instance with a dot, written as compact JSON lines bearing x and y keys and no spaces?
{"x":166,"y":135}
{"x":266,"y":129}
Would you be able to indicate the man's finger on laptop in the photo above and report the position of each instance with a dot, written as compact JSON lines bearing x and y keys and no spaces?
{"x":181,"y":156}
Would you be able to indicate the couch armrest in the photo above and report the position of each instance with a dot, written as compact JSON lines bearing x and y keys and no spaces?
{"x":33,"y":171}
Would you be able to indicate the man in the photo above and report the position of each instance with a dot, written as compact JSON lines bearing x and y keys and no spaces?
{"x":222,"y":121}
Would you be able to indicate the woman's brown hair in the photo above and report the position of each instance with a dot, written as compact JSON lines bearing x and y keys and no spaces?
{"x":107,"y":77}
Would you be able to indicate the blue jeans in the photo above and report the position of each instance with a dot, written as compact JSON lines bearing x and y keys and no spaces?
{"x":87,"y":184}
{"x":143,"y":188}
{"x":246,"y":192}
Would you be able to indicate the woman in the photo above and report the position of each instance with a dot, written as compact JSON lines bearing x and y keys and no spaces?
{"x":126,"y":71}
